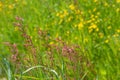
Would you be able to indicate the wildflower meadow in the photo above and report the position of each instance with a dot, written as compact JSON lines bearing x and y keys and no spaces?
{"x":59,"y":39}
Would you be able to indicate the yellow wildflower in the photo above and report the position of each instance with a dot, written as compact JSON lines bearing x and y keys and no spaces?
{"x":92,"y":16}
{"x":85,"y":40}
{"x":60,"y":21}
{"x":16,"y":28}
{"x":118,"y":31}
{"x":96,"y":16}
{"x":118,"y":10}
{"x":68,"y":32}
{"x":90,"y":30}
{"x":109,"y":27}
{"x":65,"y":13}
{"x":1,"y":4}
{"x":35,"y":40}
{"x":31,"y":37}
{"x":97,"y":29}
{"x":98,"y":13}
{"x":10,"y":6}
{"x":101,"y":35}
{"x":118,"y":1}
{"x":80,"y":25}
{"x":78,"y":11}
{"x":69,"y":19}
{"x":72,"y":7}
{"x":113,"y":5}
{"x":95,"y":0}
{"x":89,"y":21}
{"x":115,"y":35}
{"x":76,"y":38}
{"x":93,"y":26}
{"x":16,"y":0}
{"x":51,"y":43}
{"x":56,"y":35}
{"x":58,"y":14}
{"x":106,"y":4}
{"x":93,"y":19}
{"x":106,"y":41}
{"x":35,"y":29}
{"x":94,"y":9}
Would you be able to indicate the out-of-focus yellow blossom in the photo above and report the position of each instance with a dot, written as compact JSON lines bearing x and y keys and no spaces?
{"x":67,"y":42}
{"x":65,"y":13}
{"x":106,"y":4}
{"x":93,"y":27}
{"x":98,"y":13}
{"x":1,"y":4}
{"x":95,"y":0}
{"x":118,"y":1}
{"x":89,"y":21}
{"x":76,"y":38}
{"x":93,"y":19}
{"x":101,"y":35}
{"x":106,"y":41}
{"x":96,"y":16}
{"x":35,"y":40}
{"x":31,"y":37}
{"x":78,"y":11}
{"x":10,"y":6}
{"x":103,"y":72}
{"x":75,"y":25}
{"x":35,"y":29}
{"x":51,"y":43}
{"x":72,"y":7}
{"x":118,"y":10}
{"x":60,"y":21}
{"x":80,"y":25}
{"x":16,"y":0}
{"x":90,"y":30}
{"x":16,"y":28}
{"x":118,"y":31}
{"x":81,"y":19}
{"x":58,"y":14}
{"x":97,"y":29}
{"x":115,"y":35}
{"x":94,"y":9}
{"x":69,"y":19}
{"x":108,"y":36}
{"x":119,"y":49}
{"x":113,"y":5}
{"x":92,"y":16}
{"x":62,"y":14}
{"x":68,"y":32}
{"x":89,"y":11}
{"x":85,"y":40}
{"x":109,"y":27}
{"x":57,"y":35}
{"x":24,"y":2}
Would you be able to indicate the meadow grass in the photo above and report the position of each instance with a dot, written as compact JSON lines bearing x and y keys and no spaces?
{"x":60,"y":40}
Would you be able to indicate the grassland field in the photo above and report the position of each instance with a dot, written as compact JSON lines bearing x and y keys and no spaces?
{"x":60,"y":39}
